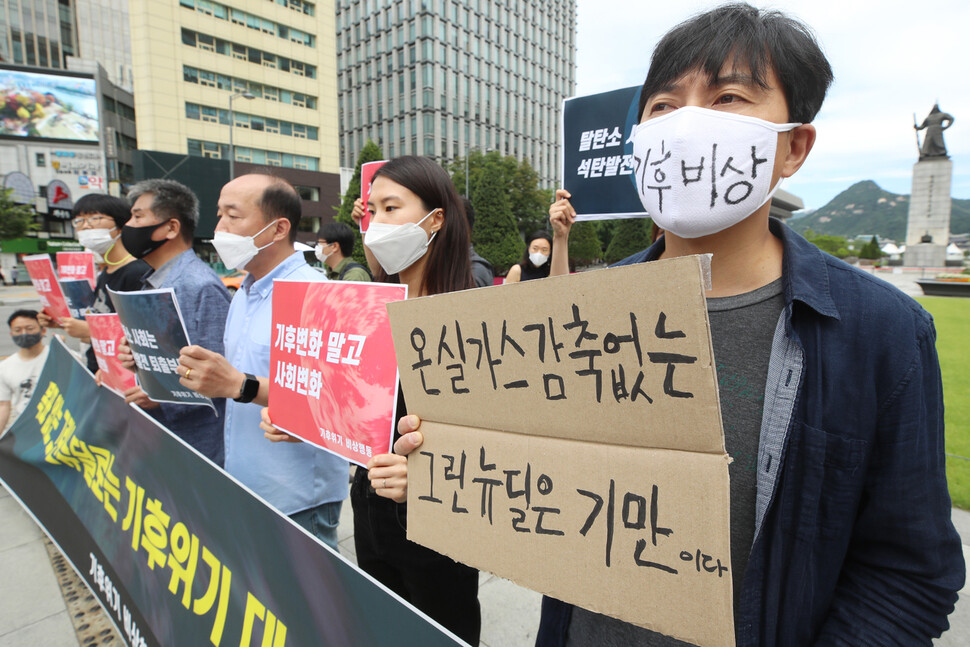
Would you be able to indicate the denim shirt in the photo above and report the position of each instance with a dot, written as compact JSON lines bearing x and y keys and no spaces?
{"x":853,"y":539}
{"x":204,"y":303}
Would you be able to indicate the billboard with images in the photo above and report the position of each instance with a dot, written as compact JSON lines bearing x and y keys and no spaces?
{"x":43,"y":105}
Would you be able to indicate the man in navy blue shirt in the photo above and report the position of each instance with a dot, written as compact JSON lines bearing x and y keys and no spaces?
{"x":164,"y":214}
{"x":841,"y":531}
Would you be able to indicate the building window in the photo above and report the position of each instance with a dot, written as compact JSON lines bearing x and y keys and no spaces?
{"x":310,"y":193}
{"x":41,"y":160}
{"x":212,"y":150}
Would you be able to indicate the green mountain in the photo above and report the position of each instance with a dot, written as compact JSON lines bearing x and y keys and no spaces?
{"x":864,"y":208}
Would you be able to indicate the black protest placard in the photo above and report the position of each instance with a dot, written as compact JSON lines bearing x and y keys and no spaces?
{"x":155,"y":330}
{"x":597,"y":160}
{"x":79,"y":296}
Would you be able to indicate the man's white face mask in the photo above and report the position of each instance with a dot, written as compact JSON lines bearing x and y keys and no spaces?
{"x":236,"y":251}
{"x":321,"y":256}
{"x":700,"y":171}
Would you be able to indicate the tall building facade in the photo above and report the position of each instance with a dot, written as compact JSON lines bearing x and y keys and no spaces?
{"x":103,"y":35}
{"x":443,"y":77}
{"x":39,"y":33}
{"x":255,"y":75}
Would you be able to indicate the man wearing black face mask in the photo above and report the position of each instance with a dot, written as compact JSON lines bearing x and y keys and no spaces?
{"x":19,"y":372}
{"x":164,"y":214}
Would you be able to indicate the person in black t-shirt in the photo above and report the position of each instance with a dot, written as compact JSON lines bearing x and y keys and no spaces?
{"x":535,"y":260}
{"x":98,"y":220}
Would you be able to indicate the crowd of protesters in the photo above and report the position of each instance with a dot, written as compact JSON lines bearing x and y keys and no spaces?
{"x":845,"y":360}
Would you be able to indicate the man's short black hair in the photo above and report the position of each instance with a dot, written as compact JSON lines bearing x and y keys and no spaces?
{"x":280,"y":200}
{"x":29,"y":314}
{"x":340,"y":233}
{"x":118,"y":209}
{"x":760,"y":40}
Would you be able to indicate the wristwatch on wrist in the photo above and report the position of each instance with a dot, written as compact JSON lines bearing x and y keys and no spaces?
{"x":249,"y":389}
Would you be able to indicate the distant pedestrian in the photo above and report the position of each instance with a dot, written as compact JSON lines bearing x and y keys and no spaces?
{"x":14,"y":272}
{"x":335,"y":244}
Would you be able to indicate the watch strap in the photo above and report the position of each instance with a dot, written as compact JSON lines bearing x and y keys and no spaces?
{"x":249,"y":389}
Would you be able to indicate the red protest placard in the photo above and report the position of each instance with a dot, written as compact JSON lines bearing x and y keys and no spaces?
{"x":333,"y":376}
{"x":106,"y":333}
{"x":366,"y":177}
{"x":42,"y":276}
{"x":76,"y":265}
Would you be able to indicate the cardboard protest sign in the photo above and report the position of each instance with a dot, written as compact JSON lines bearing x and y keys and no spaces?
{"x":106,"y":333}
{"x":597,"y":162}
{"x":367,"y":171}
{"x":76,"y":265}
{"x":79,"y":296}
{"x":573,"y":441}
{"x":333,"y":375}
{"x":42,"y":276}
{"x":153,"y":325}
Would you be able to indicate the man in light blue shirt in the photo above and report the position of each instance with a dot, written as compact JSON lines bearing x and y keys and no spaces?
{"x":258,"y":217}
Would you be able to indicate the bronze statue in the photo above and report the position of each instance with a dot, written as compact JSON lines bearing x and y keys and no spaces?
{"x":935,"y":123}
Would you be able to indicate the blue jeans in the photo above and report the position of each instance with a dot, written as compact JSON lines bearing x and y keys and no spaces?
{"x":321,"y":522}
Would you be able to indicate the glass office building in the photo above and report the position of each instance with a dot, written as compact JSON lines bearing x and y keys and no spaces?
{"x":442,"y":77}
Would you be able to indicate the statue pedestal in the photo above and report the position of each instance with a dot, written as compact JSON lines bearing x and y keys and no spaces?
{"x":925,"y":255}
{"x":929,"y":214}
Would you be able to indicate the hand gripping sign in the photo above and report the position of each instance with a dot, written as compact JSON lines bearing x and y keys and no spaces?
{"x":573,"y":441}
{"x":333,"y":378}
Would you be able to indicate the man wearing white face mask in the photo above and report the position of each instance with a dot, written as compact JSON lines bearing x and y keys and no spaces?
{"x":98,"y":220}
{"x":335,"y":244}
{"x":830,"y":386}
{"x":258,"y":218}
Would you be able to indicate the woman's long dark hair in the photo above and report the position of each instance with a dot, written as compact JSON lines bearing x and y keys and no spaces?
{"x":449,"y":266}
{"x":542,"y":233}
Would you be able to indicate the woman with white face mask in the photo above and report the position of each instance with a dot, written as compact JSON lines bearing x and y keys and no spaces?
{"x":98,"y":220}
{"x":535,"y":260}
{"x":418,"y":235}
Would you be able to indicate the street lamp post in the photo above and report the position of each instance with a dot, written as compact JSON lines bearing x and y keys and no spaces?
{"x":232,"y":122}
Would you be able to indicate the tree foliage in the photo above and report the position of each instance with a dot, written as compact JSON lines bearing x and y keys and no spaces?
{"x":528,"y":202}
{"x":871,"y":250}
{"x":584,"y":244}
{"x":370,"y":153}
{"x":15,"y":219}
{"x":630,"y":236}
{"x":835,"y":245}
{"x":495,"y":235}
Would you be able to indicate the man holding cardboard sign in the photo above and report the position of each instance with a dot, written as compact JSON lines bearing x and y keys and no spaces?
{"x":830,"y":385}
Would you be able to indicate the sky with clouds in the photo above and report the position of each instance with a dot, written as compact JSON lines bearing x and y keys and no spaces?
{"x":891,"y":58}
